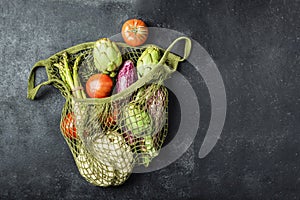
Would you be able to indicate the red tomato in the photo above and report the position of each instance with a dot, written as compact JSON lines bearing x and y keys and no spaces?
{"x":68,"y":126}
{"x":135,"y":32}
{"x":99,"y":86}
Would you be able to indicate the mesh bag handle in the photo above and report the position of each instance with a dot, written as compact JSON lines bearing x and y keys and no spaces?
{"x":53,"y":79}
{"x":187,"y":50}
{"x":32,"y":89}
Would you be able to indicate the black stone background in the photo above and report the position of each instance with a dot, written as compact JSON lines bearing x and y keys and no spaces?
{"x":255,"y":45}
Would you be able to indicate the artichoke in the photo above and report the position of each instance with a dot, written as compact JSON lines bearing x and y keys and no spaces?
{"x":112,"y":149}
{"x":137,"y":120}
{"x":96,"y":172}
{"x":107,"y":56}
{"x":149,"y":58}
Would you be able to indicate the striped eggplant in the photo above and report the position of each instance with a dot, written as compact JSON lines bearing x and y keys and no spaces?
{"x":156,"y":99}
{"x":126,"y":76}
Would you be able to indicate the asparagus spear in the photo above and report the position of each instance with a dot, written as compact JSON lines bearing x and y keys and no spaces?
{"x":70,"y":77}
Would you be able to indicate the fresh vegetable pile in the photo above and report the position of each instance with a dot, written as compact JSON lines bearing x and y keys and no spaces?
{"x":116,"y":110}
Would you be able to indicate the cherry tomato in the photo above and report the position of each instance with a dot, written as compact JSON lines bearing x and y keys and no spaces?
{"x":68,"y":126}
{"x":135,"y":32}
{"x":99,"y":86}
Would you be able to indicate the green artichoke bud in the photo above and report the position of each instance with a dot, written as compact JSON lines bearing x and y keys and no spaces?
{"x":137,"y":120}
{"x":107,"y":56}
{"x":149,"y":58}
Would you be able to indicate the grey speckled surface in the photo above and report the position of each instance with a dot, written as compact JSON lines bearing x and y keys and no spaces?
{"x":255,"y":44}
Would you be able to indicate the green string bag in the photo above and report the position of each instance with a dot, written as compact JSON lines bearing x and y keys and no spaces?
{"x":109,"y":136}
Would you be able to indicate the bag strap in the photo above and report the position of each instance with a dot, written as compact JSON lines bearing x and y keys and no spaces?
{"x":32,"y":89}
{"x":187,"y":49}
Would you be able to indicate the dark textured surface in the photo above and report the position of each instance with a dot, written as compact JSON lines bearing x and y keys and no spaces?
{"x":256,"y":46}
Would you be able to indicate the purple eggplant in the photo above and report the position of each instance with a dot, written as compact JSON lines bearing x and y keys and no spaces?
{"x":156,"y":103}
{"x":127,"y":76}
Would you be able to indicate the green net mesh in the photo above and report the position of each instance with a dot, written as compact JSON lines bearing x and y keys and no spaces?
{"x":109,"y":136}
